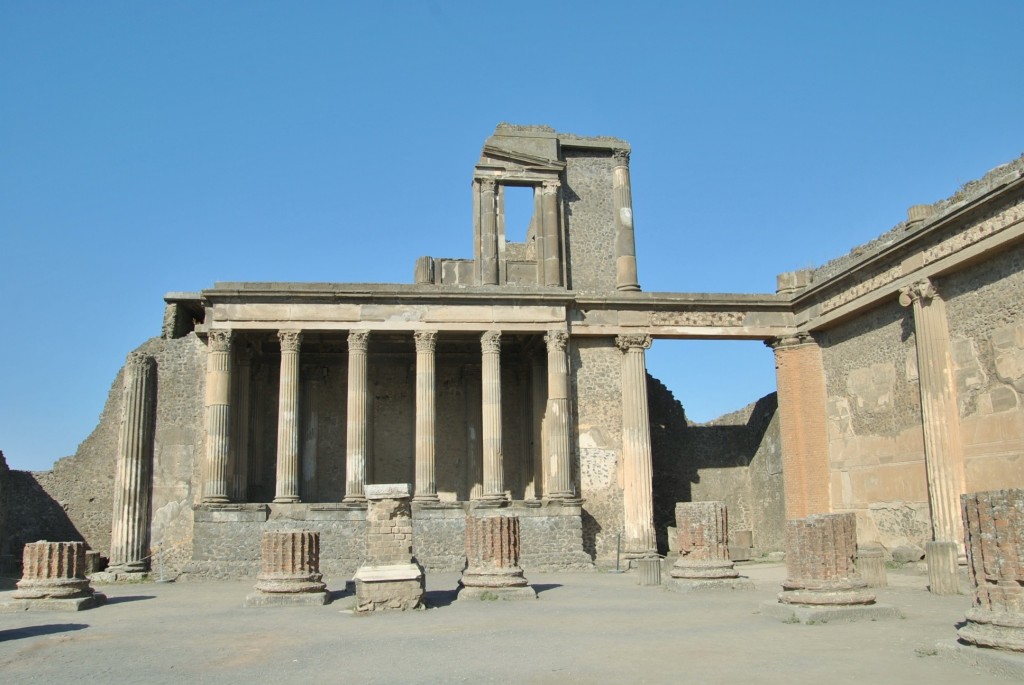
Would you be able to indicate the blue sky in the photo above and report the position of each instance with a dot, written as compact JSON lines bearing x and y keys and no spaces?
{"x":148,"y":147}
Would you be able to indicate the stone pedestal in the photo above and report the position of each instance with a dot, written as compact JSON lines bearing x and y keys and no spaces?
{"x":823,"y":583}
{"x":648,"y":570}
{"x":871,"y":566}
{"x":391,"y":578}
{"x":994,"y":528}
{"x":702,"y":533}
{"x":492,"y":560}
{"x":53,"y":578}
{"x":291,"y":570}
{"x":943,"y":571}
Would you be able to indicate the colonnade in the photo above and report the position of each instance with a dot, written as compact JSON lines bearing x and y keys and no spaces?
{"x":226,"y":446}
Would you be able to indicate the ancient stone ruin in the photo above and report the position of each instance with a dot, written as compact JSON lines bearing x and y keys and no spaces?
{"x":53,"y":579}
{"x":492,"y":560}
{"x":994,"y":525}
{"x":291,"y":570}
{"x":704,"y":561}
{"x":391,"y":578}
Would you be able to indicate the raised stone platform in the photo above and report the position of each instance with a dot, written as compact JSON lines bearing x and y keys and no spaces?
{"x":1009,"y":665}
{"x":811,"y":615}
{"x":389,"y":587}
{"x":699,"y":584}
{"x":66,"y":604}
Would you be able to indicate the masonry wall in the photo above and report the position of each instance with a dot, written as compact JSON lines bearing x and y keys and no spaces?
{"x":590,"y":219}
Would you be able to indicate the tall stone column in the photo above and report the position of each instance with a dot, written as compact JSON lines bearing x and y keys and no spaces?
{"x":800,"y":378}
{"x":488,"y":233}
{"x":426,"y":416}
{"x":637,"y":497}
{"x":943,"y":449}
{"x":218,"y":416}
{"x":129,"y":538}
{"x":288,"y":477}
{"x":240,"y":442}
{"x":552,"y":266}
{"x":625,"y":240}
{"x":559,"y":485}
{"x":358,"y":417}
{"x":494,"y":483}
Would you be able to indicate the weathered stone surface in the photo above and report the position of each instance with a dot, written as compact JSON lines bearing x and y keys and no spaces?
{"x":53,"y":579}
{"x":703,"y":541}
{"x":871,"y":565}
{"x":391,"y":578}
{"x":290,"y":562}
{"x":492,"y":560}
{"x":820,"y":552}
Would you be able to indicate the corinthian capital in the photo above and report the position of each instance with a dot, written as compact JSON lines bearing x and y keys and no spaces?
{"x":556,"y":340}
{"x":621,"y":157}
{"x":139,"y":360}
{"x":633,"y":342}
{"x":486,"y":185}
{"x":358,"y":341}
{"x":426,"y":341}
{"x":219,"y":340}
{"x":490,"y":342}
{"x":920,"y":291}
{"x":290,"y":340}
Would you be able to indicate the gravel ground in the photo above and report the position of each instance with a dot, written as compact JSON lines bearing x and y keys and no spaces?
{"x":583,"y":628}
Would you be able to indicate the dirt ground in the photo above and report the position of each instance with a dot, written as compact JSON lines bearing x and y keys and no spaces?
{"x":583,"y":628}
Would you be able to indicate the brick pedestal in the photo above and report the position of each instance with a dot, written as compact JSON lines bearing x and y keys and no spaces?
{"x":291,"y":570}
{"x":53,"y":578}
{"x":391,"y":579}
{"x":492,"y":560}
{"x":994,"y":527}
{"x":702,"y":539}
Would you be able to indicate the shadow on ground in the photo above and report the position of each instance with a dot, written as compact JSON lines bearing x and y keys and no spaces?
{"x":34,"y":631}
{"x":128,"y":598}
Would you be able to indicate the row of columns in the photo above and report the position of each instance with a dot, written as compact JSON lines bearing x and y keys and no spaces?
{"x":220,"y":455}
{"x":548,"y":242}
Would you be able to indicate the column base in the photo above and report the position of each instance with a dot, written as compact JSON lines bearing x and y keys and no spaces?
{"x":354,"y":499}
{"x":68,"y":604}
{"x":812,"y":615}
{"x":216,"y":499}
{"x":290,"y":499}
{"x":426,"y":498}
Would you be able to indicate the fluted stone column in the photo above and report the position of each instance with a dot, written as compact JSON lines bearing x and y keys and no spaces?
{"x":559,"y":485}
{"x":820,"y":551}
{"x":358,"y":417}
{"x":637,"y":498}
{"x":494,"y":483}
{"x":994,"y":530}
{"x":288,"y":477}
{"x":290,"y":572}
{"x":426,"y":413}
{"x":703,"y":530}
{"x":943,"y":449}
{"x":129,"y":537}
{"x":552,"y":263}
{"x":53,"y":577}
{"x":492,"y":560}
{"x":218,"y":416}
{"x":488,"y":233}
{"x":625,"y":240}
{"x":240,"y":442}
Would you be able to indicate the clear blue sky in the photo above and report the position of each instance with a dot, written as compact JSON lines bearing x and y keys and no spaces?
{"x":147,"y":147}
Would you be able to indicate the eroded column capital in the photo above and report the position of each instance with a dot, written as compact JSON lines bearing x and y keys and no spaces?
{"x":139,"y":360}
{"x":426,"y":341}
{"x":920,"y":291}
{"x":556,"y":340}
{"x":799,"y":338}
{"x":290,"y":340}
{"x":633,"y":341}
{"x":486,"y":184}
{"x":621,"y":156}
{"x":358,"y":341}
{"x":551,"y":186}
{"x":490,"y":342}
{"x":220,"y":340}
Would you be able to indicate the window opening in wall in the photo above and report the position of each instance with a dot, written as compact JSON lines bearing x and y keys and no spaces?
{"x":518,"y":213}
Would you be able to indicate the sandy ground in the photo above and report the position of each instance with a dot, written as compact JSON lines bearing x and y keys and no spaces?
{"x":583,"y":628}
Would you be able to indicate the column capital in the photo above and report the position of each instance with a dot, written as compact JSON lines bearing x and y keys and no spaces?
{"x":358,"y":341}
{"x":490,"y":342}
{"x":426,"y":341}
{"x":220,"y":340}
{"x":798,"y":338}
{"x":556,"y":340}
{"x":632,"y":342}
{"x":550,"y":186}
{"x":621,"y":156}
{"x":139,"y":360}
{"x":290,"y":340}
{"x":486,"y":184}
{"x":920,"y":291}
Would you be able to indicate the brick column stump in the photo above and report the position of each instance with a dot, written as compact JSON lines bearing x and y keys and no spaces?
{"x":823,"y":584}
{"x":391,"y":578}
{"x":702,"y":534}
{"x":492,"y":560}
{"x":290,"y":572}
{"x":53,"y":579}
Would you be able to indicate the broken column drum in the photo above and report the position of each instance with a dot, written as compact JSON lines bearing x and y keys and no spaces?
{"x":703,"y":533}
{"x":53,"y":570}
{"x":820,"y":551}
{"x":290,"y":562}
{"x":492,"y":559}
{"x":994,"y":536}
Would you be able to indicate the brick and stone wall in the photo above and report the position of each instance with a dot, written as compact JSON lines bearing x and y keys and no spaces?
{"x":590,"y":220}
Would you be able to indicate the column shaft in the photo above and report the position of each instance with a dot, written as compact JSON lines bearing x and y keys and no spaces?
{"x":940,"y":414}
{"x":552,"y":264}
{"x":637,"y":493}
{"x":488,"y":233}
{"x":559,"y":483}
{"x":129,"y":539}
{"x":426,"y":484}
{"x":494,"y":484}
{"x":218,"y":416}
{"x":287,"y":489}
{"x":625,"y":240}
{"x":358,"y":417}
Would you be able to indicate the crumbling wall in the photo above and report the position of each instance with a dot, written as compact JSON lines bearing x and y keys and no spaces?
{"x":590,"y":219}
{"x":876,"y":443}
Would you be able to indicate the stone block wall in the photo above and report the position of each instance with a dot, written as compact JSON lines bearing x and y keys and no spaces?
{"x":590,"y":220}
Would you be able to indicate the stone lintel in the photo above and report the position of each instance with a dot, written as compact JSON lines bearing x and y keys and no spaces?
{"x":378,"y":491}
{"x":811,"y":615}
{"x":387,"y":573}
